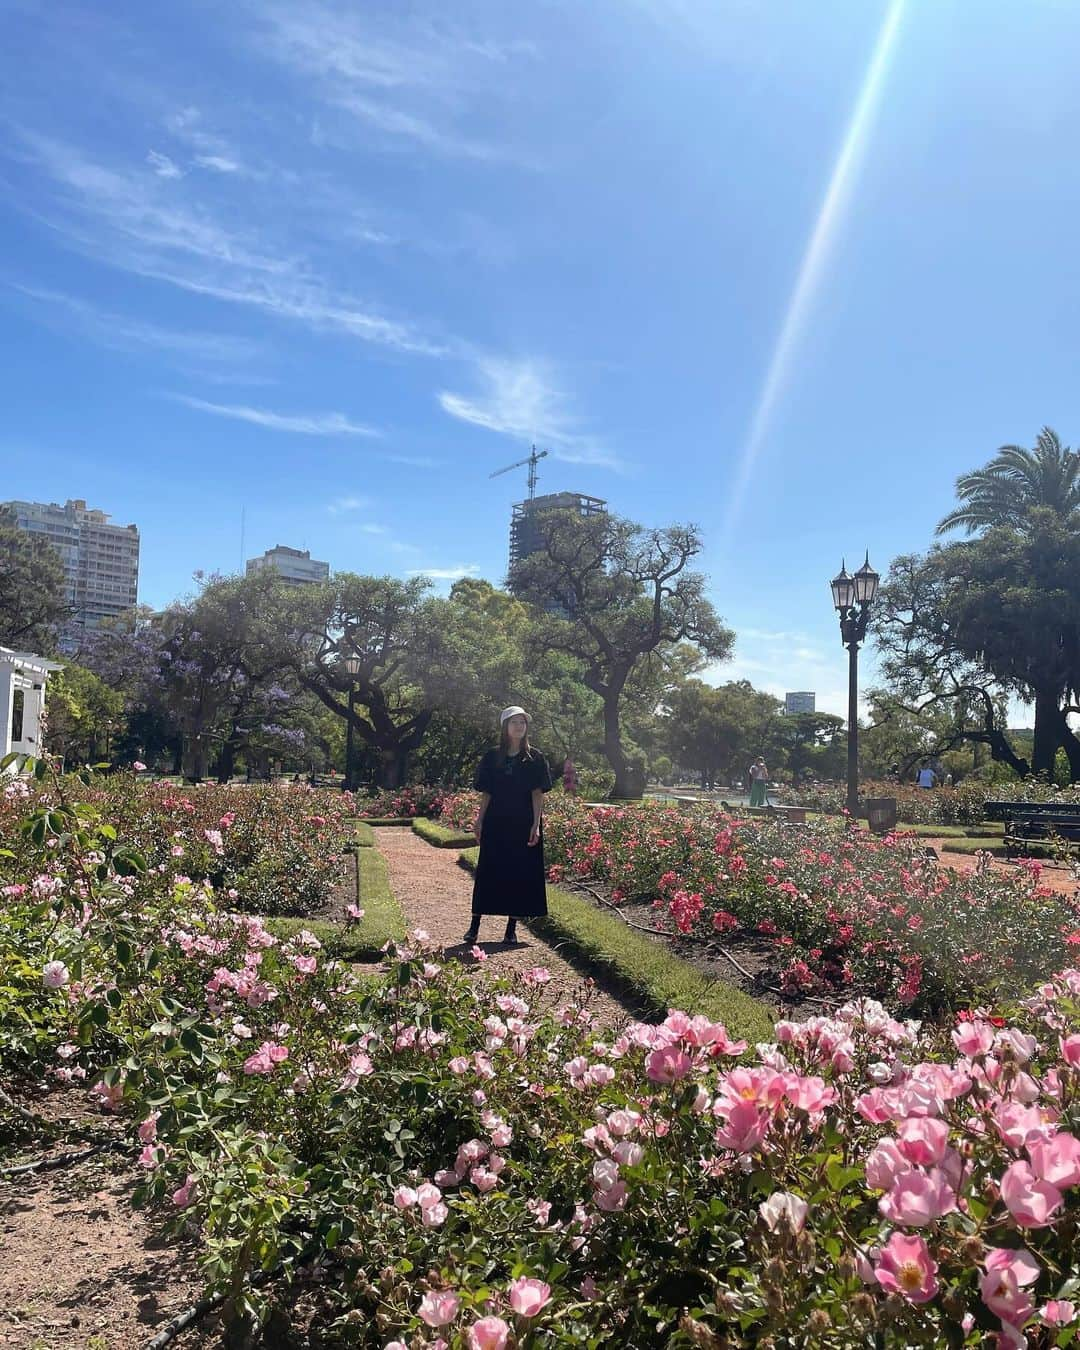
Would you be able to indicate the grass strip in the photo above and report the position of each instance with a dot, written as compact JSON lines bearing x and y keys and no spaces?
{"x":388,"y":820}
{"x":442,"y":836}
{"x":362,"y":941}
{"x":990,"y":844}
{"x":365,"y":835}
{"x":644,"y":969}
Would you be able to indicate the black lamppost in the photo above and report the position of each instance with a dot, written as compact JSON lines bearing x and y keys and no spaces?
{"x":852,"y":598}
{"x":351,"y":666}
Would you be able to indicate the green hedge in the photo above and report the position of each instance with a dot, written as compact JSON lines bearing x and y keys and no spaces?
{"x":441,"y":835}
{"x":383,"y":918}
{"x":388,"y":820}
{"x":647,"y":971}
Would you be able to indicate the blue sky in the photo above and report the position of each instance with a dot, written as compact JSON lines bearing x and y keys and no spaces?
{"x":780,"y":269}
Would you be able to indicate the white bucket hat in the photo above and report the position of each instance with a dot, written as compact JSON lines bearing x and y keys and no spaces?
{"x":513,"y":711}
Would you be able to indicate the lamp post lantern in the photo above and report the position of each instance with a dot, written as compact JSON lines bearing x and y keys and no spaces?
{"x":852,"y":598}
{"x":351,"y":666}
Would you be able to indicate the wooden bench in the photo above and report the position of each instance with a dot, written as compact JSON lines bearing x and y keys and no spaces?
{"x":1036,"y":822}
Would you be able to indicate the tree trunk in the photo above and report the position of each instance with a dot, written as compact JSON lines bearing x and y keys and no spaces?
{"x":1071,"y":745}
{"x":391,"y":766}
{"x":226,"y":765}
{"x":1047,"y":735}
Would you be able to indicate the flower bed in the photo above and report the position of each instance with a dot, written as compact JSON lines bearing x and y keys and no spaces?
{"x":427,"y":1156}
{"x":841,"y":912}
{"x":414,"y":800}
{"x":961,"y":805}
{"x":266,"y":850}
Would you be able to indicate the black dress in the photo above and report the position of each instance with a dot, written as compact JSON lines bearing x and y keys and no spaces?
{"x":510,"y":876}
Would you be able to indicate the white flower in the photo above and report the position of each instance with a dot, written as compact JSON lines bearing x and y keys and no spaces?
{"x":55,"y":975}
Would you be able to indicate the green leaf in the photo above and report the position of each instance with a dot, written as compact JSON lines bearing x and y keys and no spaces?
{"x":840,"y":1176}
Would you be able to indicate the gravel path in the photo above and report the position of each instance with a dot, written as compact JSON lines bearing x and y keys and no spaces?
{"x":1055,"y":877}
{"x":435,"y":893}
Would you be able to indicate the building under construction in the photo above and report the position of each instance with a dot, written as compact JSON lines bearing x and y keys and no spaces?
{"x":525,"y":534}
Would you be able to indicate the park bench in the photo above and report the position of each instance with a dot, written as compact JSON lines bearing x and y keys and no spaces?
{"x":1036,"y":822}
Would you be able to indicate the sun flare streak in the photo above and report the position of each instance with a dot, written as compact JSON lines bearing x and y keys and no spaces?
{"x":814,"y":258}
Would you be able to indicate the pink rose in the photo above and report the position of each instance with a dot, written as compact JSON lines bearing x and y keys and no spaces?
{"x":1070,"y":1050}
{"x":1057,"y":1159}
{"x":1032,"y":1203}
{"x":884,"y":1164}
{"x":148,"y":1128}
{"x":613,"y":1200}
{"x":439,"y":1308}
{"x":489,"y":1333}
{"x":1007,"y":1274}
{"x":1058,"y":1312}
{"x":404,"y":1197}
{"x":923,"y":1140}
{"x":904,"y":1267}
{"x":918,"y":1198}
{"x":667,"y":1065}
{"x":528,"y":1296}
{"x":184,"y":1195}
{"x":745,"y":1128}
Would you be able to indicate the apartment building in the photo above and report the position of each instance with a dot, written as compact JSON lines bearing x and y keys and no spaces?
{"x":100,"y":559}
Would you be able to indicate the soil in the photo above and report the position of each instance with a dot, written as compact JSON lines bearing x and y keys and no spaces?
{"x":1059,"y":878}
{"x":435,"y":893}
{"x":79,"y":1268}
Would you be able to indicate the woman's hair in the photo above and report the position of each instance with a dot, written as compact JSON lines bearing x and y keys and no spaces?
{"x":526,"y":750}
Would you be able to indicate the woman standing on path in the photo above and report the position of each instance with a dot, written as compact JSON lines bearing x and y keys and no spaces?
{"x":759,"y":782}
{"x":510,"y":874}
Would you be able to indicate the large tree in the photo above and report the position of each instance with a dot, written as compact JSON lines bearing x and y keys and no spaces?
{"x":717,"y":730}
{"x":33,"y":593}
{"x":609,"y":592}
{"x":415,"y":655}
{"x":972,"y":623}
{"x":1016,"y":482}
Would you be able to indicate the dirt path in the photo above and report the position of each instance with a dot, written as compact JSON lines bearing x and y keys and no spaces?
{"x":1056,"y":877}
{"x":78,"y":1266}
{"x":436,"y":895}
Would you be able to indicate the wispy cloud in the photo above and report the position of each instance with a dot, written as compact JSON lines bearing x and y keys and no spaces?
{"x":519,"y":399}
{"x":123,"y":219}
{"x":406,"y":78}
{"x":446,"y":573}
{"x":344,"y":504}
{"x":163,"y":166}
{"x":219,"y":163}
{"x":317,"y":424}
{"x":373,"y":529}
{"x":121,"y":331}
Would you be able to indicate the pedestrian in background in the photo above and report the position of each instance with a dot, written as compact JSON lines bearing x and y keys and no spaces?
{"x":759,"y":782}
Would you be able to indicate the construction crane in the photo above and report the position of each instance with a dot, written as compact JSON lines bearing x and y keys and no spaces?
{"x":532,"y":462}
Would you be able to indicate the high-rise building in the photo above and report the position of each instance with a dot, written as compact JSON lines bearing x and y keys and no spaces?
{"x":294,"y":565}
{"x":525,"y":533}
{"x":101,"y":560}
{"x":802,"y":702}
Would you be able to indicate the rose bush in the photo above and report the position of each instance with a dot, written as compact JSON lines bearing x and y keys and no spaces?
{"x":431,"y":1156}
{"x":842,"y":910}
{"x":960,"y":805}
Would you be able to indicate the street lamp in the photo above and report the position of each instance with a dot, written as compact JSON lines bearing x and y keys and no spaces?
{"x":351,"y":666}
{"x":852,"y":598}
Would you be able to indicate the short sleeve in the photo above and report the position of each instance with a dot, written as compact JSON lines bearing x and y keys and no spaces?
{"x":541,"y":774}
{"x":484,"y":778}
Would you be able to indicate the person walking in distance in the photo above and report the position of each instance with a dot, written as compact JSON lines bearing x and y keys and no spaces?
{"x":759,"y":782}
{"x":510,"y":874}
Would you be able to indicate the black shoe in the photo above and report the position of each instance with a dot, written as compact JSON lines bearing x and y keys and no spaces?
{"x":511,"y":932}
{"x":472,"y":935}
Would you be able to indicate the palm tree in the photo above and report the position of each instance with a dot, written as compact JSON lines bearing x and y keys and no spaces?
{"x":1015,"y":482}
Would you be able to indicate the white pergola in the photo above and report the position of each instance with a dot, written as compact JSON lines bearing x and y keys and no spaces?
{"x":25,"y":671}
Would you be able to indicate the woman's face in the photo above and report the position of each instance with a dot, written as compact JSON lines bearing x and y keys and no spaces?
{"x":516,"y":726}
